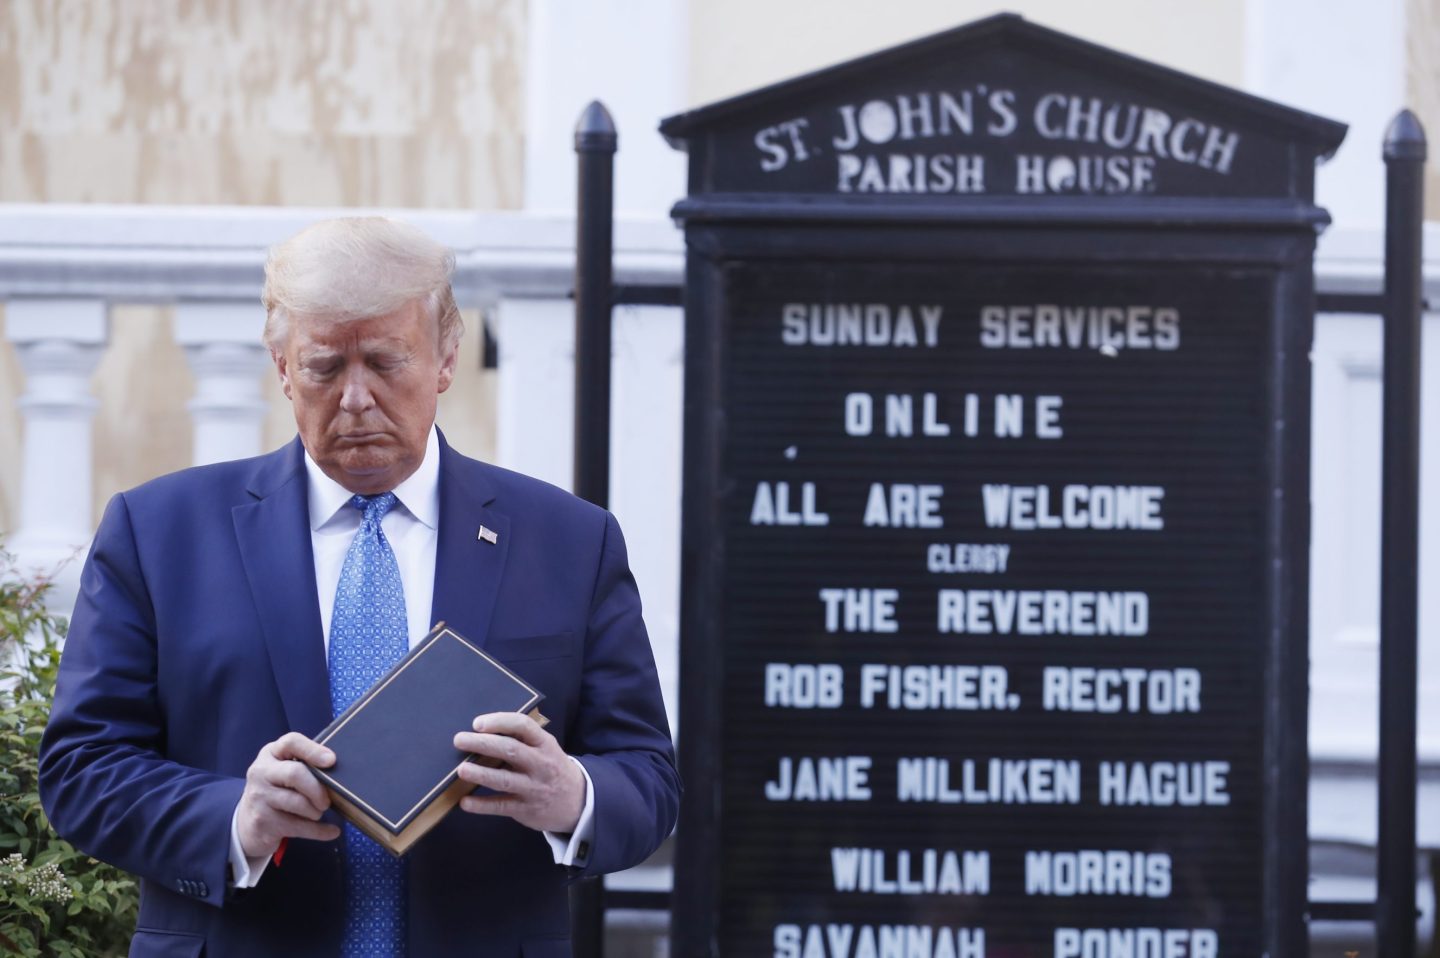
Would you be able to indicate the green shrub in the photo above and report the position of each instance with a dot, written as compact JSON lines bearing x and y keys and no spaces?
{"x":54,"y":900}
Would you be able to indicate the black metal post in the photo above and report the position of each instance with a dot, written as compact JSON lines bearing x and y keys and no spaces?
{"x":595,"y":144}
{"x":1399,"y":530}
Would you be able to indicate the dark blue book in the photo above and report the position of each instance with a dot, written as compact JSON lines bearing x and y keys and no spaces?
{"x":396,"y":771}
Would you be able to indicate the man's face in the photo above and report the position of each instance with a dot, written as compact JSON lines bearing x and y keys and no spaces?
{"x":364,"y":393}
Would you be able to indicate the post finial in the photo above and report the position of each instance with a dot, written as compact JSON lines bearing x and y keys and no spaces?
{"x":596,"y":130}
{"x":1405,"y":138}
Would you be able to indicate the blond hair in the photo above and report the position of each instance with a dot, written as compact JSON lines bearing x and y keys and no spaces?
{"x":358,"y":267}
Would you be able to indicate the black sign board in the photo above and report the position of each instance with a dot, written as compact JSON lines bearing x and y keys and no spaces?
{"x":996,"y":509}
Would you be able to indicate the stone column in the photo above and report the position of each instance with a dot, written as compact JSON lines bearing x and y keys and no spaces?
{"x":222,"y":345}
{"x":59,"y":342}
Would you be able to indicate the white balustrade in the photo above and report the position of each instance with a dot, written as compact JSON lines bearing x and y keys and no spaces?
{"x":59,"y":343}
{"x":222,"y":345}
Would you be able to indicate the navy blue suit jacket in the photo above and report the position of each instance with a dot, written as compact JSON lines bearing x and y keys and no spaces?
{"x":197,"y":639}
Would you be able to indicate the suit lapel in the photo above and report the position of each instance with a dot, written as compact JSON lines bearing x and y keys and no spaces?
{"x":274,"y":538}
{"x":468,"y":568}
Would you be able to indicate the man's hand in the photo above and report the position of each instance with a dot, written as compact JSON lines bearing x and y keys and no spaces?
{"x":538,"y":785}
{"x":282,"y":799}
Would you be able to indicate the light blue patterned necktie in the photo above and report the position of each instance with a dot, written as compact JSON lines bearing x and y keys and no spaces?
{"x":368,"y":634}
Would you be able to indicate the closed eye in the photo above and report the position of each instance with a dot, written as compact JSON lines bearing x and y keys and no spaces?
{"x":323,"y":367}
{"x":387,"y":362}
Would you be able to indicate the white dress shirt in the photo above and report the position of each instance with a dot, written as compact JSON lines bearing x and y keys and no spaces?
{"x":412,"y":528}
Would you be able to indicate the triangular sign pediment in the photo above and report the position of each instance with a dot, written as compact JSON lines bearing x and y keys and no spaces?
{"x":1002,"y":107}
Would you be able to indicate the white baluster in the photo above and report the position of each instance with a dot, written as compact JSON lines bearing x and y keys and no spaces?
{"x":222,"y":344}
{"x":59,"y":342}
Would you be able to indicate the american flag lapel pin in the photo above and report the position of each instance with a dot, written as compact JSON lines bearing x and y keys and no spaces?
{"x":489,"y":535}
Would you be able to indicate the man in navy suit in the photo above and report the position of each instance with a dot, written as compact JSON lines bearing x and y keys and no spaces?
{"x":195,"y":671}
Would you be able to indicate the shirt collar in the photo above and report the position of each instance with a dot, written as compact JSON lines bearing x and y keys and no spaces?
{"x":419,"y":494}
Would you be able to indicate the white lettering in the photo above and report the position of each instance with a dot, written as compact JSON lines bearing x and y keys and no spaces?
{"x":1052,"y":326}
{"x":859,"y":414}
{"x":802,"y":686}
{"x":930,"y":871}
{"x":878,"y":941}
{"x":1113,"y":691}
{"x":1108,"y":508}
{"x":966,"y":557}
{"x":905,"y":505}
{"x":843,"y":779}
{"x":1026,"y":781}
{"x":1094,"y":872}
{"x":860,"y":610}
{"x":1037,"y":612}
{"x":924,"y":687}
{"x":772,"y":506}
{"x":1135,"y":943}
{"x":1164,"y":784}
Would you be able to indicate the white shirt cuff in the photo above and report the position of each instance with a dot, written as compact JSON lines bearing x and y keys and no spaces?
{"x":244,"y":872}
{"x":574,"y":849}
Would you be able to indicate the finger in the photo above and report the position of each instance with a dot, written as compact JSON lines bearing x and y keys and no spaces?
{"x":294,"y":827}
{"x":513,"y":724}
{"x":292,"y":776}
{"x":498,"y":779}
{"x":287,"y":802}
{"x":293,"y":745}
{"x":261,"y":833}
{"x":503,"y":748}
{"x":491,"y":805}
